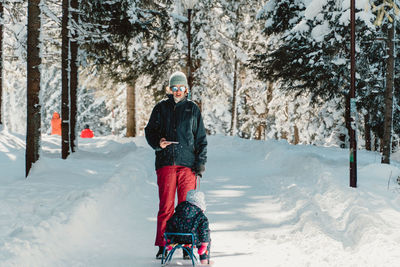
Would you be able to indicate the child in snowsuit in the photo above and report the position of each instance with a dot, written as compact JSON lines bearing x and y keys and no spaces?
{"x":189,"y":218}
{"x":56,"y":124}
{"x":87,"y":133}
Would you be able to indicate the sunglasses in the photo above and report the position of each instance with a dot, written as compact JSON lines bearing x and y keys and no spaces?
{"x":176,"y":88}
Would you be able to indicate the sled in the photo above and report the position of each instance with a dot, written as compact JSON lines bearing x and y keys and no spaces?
{"x":184,"y":241}
{"x":182,"y":263}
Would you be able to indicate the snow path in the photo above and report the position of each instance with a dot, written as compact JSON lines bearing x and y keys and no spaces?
{"x":269,"y":204}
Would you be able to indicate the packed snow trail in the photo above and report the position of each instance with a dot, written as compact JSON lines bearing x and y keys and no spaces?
{"x":269,"y":204}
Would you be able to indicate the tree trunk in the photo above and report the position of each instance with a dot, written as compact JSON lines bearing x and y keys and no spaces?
{"x":235,"y":79}
{"x":259,"y":132}
{"x":130,"y":110}
{"x":347,"y":115}
{"x":189,"y":58}
{"x":367,"y":132}
{"x":284,"y":135}
{"x":234,"y":98}
{"x":1,"y":59}
{"x":376,"y":143}
{"x":296,"y":135}
{"x":65,"y":77}
{"x":270,"y":89}
{"x":387,"y":125}
{"x":33,"y":119}
{"x":74,"y":75}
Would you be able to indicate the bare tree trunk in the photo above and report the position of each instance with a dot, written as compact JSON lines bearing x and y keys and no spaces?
{"x":33,"y":86}
{"x":130,"y":110}
{"x":1,"y":59}
{"x":65,"y":78}
{"x":234,"y":98}
{"x":235,"y":79}
{"x":74,"y":75}
{"x":284,"y":135}
{"x":376,"y":145}
{"x":296,"y":135}
{"x":347,"y":116}
{"x":367,"y":132}
{"x":259,"y":131}
{"x":189,"y":58}
{"x":270,"y":89}
{"x":387,"y":125}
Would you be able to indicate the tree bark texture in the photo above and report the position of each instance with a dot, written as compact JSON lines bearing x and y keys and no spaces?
{"x":234,"y":98}
{"x":33,"y":119}
{"x":189,"y":59}
{"x":1,"y":59}
{"x":260,"y":132}
{"x":235,"y":81}
{"x":73,"y":75}
{"x":367,"y":132}
{"x":347,"y":120}
{"x":296,"y":135}
{"x":387,"y":125}
{"x":130,"y":110}
{"x":65,"y":77}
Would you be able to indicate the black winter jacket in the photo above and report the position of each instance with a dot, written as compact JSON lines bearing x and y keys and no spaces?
{"x":189,"y":218}
{"x":181,"y":122}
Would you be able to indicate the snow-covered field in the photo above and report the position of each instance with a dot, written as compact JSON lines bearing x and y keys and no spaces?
{"x":269,"y":204}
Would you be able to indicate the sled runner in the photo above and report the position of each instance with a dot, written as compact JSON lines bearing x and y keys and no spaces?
{"x":184,"y":241}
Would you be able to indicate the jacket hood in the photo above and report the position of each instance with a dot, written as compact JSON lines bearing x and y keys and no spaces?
{"x":187,"y":209}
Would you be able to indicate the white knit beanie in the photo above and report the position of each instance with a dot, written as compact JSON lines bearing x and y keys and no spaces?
{"x":178,"y":77}
{"x":196,"y":198}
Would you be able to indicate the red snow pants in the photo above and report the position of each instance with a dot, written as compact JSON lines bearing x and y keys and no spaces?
{"x":171,"y":179}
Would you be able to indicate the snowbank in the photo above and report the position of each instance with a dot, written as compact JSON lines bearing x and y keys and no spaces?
{"x":269,"y":204}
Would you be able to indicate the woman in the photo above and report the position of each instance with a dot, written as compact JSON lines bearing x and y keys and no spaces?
{"x":176,"y":132}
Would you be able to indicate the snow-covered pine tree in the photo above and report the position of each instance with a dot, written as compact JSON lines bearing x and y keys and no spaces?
{"x":50,"y":96}
{"x":130,"y":41}
{"x":222,"y":31}
{"x":207,"y":82}
{"x":308,"y":55}
{"x":372,"y":69}
{"x":387,"y":14}
{"x":202,"y":36}
{"x":236,"y":23}
{"x":14,"y":58}
{"x":312,"y":55}
{"x":252,"y":94}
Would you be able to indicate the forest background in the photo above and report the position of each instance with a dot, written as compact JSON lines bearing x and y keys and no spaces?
{"x":261,"y":69}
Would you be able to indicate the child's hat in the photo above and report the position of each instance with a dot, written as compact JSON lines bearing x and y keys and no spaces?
{"x":196,"y":198}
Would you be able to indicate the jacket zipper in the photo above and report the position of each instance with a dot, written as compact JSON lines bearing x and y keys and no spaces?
{"x":173,"y":146}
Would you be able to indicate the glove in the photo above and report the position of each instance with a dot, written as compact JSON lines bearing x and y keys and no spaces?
{"x":199,"y":169}
{"x":203,"y":248}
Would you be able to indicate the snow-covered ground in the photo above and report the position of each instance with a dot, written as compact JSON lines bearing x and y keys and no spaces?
{"x":269,"y":204}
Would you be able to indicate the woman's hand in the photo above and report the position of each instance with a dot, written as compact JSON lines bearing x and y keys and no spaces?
{"x":164,"y":143}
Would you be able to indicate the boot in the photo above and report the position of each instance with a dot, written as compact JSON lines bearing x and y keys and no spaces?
{"x":160,"y":253}
{"x":185,"y":255}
